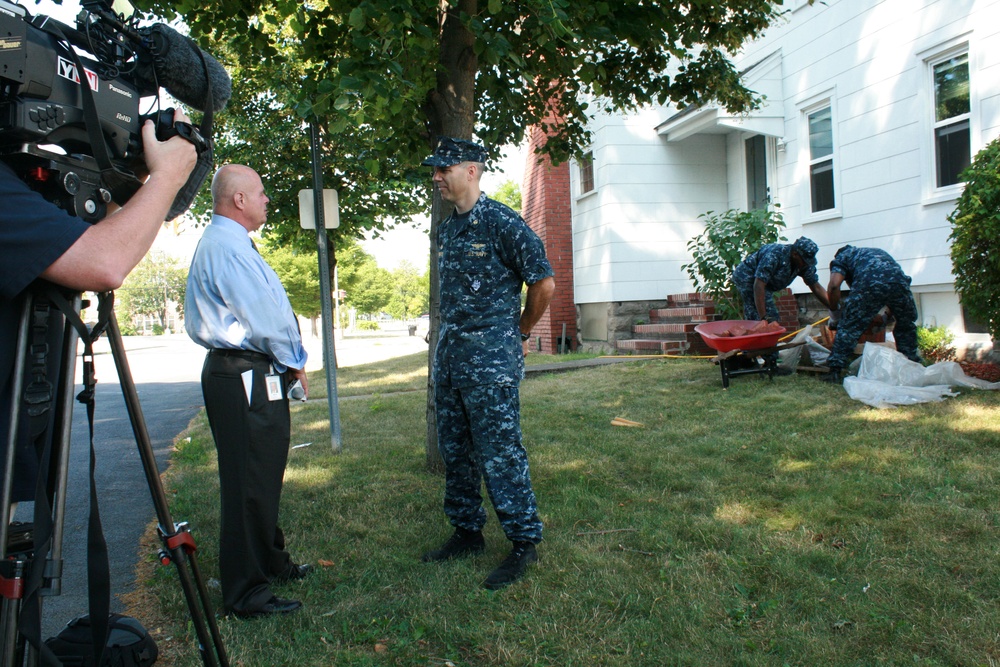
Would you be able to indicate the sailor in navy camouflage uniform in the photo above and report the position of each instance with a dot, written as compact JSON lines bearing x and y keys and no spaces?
{"x":485,"y":253}
{"x":876,"y":280}
{"x":773,"y":268}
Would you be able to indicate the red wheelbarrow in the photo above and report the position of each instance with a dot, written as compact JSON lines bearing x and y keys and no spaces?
{"x":738,"y":354}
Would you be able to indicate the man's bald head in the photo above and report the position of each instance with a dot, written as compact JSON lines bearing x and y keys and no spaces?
{"x":238,"y":194}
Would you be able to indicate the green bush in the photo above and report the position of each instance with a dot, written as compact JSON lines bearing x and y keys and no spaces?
{"x":366,"y":325}
{"x":127,"y":328}
{"x":934,"y":343}
{"x":975,"y":237}
{"x":157,"y":329}
{"x":728,"y":238}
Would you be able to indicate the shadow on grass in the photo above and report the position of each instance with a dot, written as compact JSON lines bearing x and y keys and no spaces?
{"x":774,"y":522}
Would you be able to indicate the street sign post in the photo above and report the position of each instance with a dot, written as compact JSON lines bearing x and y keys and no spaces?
{"x":319,"y":212}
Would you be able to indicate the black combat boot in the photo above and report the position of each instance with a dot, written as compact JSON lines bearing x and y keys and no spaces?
{"x":462,"y":543}
{"x":833,"y":377}
{"x":513,"y":566}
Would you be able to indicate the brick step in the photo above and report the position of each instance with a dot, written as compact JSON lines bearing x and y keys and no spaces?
{"x":650,"y":346}
{"x":696,"y":313}
{"x":665,"y":330}
{"x":689,"y":299}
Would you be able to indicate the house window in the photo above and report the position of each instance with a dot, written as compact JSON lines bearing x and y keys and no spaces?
{"x":756,"y":159}
{"x":586,"y":172}
{"x":952,"y":116}
{"x":821,"y":182}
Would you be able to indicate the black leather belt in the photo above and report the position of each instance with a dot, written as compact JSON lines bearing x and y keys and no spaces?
{"x":248,"y":355}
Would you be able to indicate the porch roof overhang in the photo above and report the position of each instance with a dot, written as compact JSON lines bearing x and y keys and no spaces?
{"x":715,"y":120}
{"x":765,"y":79}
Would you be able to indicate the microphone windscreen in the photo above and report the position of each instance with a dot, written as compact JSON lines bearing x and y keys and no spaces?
{"x":174,"y":61}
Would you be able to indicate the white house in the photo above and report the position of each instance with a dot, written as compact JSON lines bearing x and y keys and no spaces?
{"x":872,"y":108}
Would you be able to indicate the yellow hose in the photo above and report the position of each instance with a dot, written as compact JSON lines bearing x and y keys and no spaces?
{"x":804,"y":328}
{"x":656,"y":356}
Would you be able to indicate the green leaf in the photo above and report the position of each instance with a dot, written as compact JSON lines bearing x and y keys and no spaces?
{"x":357,"y":18}
{"x":343,"y":102}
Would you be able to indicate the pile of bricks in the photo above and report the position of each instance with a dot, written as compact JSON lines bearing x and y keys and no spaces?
{"x":670,"y":330}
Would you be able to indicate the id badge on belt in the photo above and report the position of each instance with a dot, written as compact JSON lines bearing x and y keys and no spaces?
{"x":273,"y":383}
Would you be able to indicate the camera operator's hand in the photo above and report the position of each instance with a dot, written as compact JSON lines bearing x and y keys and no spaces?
{"x":106,"y":253}
{"x":173,"y":158}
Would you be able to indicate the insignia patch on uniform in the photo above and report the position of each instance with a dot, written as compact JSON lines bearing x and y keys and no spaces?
{"x":475,"y":285}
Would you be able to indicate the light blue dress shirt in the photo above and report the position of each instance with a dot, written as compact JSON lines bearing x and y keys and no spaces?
{"x":236,"y":301}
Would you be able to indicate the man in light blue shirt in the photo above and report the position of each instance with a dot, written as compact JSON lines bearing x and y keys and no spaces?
{"x":237,"y":308}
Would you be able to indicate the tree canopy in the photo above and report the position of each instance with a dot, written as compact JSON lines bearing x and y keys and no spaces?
{"x":509,"y":193}
{"x":153,"y":285}
{"x":388,"y":76}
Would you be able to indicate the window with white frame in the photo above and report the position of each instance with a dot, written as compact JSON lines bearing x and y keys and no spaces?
{"x":822,"y":192}
{"x":952,"y":117}
{"x":586,"y":165}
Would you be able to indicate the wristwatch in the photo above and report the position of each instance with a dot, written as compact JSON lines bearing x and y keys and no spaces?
{"x":525,"y":337}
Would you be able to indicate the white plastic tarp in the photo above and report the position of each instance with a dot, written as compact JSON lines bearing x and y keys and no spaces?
{"x":886,"y":379}
{"x":790,"y":357}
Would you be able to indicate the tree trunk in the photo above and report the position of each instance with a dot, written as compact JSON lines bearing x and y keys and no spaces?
{"x":451,"y":111}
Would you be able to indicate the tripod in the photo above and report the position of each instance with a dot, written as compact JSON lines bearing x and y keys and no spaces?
{"x":24,"y":577}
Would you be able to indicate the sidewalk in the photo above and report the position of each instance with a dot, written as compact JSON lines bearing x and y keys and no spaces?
{"x":560,"y":366}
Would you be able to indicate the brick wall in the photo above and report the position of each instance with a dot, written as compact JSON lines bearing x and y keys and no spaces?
{"x":788,"y":310}
{"x":545,"y":206}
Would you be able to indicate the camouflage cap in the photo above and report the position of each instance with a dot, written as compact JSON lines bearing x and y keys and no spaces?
{"x":450,"y":151}
{"x":807,"y":249}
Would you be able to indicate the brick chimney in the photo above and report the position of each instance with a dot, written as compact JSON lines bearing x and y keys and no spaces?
{"x":545,"y":206}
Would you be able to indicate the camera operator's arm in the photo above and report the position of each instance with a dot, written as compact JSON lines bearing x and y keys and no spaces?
{"x":106,"y":252}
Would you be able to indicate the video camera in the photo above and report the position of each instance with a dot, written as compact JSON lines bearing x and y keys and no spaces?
{"x":80,"y":146}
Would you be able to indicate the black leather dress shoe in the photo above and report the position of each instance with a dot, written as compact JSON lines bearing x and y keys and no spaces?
{"x":293,"y":573}
{"x":275,"y":605}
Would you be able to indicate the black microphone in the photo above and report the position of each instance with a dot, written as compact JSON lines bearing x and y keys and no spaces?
{"x":174,"y":61}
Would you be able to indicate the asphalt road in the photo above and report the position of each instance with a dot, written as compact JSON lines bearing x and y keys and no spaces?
{"x":166,"y":371}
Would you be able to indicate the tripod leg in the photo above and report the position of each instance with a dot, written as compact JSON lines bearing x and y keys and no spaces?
{"x":201,"y":616}
{"x":41,"y":573}
{"x":62,"y":429}
{"x":10,"y":609}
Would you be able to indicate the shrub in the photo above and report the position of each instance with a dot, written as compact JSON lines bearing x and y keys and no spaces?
{"x":975,"y":237}
{"x":727,"y":239}
{"x":157,"y":329}
{"x":934,"y":344}
{"x":366,"y":325}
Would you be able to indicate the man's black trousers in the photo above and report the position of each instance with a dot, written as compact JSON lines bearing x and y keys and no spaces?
{"x":252,"y":439}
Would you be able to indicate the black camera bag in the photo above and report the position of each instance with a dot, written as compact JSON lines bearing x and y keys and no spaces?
{"x":129,"y":644}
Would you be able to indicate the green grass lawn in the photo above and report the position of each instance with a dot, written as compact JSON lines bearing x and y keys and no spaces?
{"x":773,"y":523}
{"x":406,"y":373}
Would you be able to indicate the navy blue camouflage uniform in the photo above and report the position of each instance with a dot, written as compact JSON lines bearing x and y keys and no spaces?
{"x":876,"y":280}
{"x":484,"y":257}
{"x":772,"y":263}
